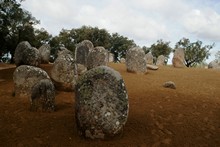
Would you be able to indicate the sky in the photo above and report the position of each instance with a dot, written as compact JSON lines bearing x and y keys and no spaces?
{"x":144,"y":21}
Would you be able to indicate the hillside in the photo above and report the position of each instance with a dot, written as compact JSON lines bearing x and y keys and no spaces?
{"x":186,"y":116}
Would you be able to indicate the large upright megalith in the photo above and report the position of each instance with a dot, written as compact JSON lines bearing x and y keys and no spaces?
{"x":179,"y":58}
{"x":82,"y":52}
{"x":161,"y":60}
{"x":97,"y":56}
{"x":63,"y":71}
{"x":25,"y":77}
{"x":43,"y":96}
{"x":101,"y":103}
{"x":135,"y":60}
{"x":25,"y":54}
{"x":44,"y":51}
{"x":149,"y":58}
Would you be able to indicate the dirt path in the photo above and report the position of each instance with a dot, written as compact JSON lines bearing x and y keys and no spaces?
{"x":187,"y":116}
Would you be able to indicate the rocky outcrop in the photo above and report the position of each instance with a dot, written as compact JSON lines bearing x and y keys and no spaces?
{"x":101,"y":103}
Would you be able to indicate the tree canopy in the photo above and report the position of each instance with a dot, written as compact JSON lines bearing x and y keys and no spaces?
{"x":195,"y":53}
{"x":160,"y":48}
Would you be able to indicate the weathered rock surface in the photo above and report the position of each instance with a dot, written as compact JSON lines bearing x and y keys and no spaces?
{"x":101,"y":103}
{"x":152,"y":67}
{"x":160,"y":60}
{"x":25,"y":77}
{"x":26,"y":55}
{"x":43,"y":96}
{"x":97,"y":57}
{"x":149,"y":58}
{"x":122,"y":60}
{"x":110,"y":57}
{"x":63,"y":71}
{"x":82,"y":52}
{"x":179,"y":58}
{"x":44,"y":51}
{"x":214,"y":64}
{"x":169,"y":84}
{"x":135,"y":60}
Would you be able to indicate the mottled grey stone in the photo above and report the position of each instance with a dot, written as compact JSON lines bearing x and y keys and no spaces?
{"x":135,"y":60}
{"x":43,"y":96}
{"x":160,"y":60}
{"x":152,"y":67}
{"x":169,"y":84}
{"x":63,"y":71}
{"x":44,"y":51}
{"x":26,"y":55}
{"x":149,"y":58}
{"x":122,"y":60}
{"x":110,"y":57}
{"x":179,"y":58}
{"x":215,"y":64}
{"x":97,"y":57}
{"x":82,"y":52}
{"x":101,"y":103}
{"x":25,"y":77}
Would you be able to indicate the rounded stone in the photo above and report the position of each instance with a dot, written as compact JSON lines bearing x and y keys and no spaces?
{"x":25,"y":77}
{"x":44,"y":51}
{"x":97,"y":57}
{"x":101,"y":103}
{"x":82,"y":51}
{"x":63,"y":71}
{"x":161,"y":60}
{"x":26,"y":55}
{"x":179,"y":58}
{"x":135,"y":60}
{"x":43,"y":96}
{"x":149,"y":58}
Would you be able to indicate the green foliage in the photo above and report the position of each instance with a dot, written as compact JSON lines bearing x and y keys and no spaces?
{"x":16,"y":25}
{"x":195,"y":53}
{"x":217,"y":56}
{"x":120,"y":45}
{"x":161,"y":48}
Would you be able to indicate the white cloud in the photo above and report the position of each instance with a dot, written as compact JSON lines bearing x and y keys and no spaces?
{"x":144,"y":21}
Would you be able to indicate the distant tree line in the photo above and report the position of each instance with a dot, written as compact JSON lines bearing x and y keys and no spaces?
{"x":17,"y":24}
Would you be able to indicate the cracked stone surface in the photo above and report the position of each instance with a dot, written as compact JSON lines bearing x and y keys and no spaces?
{"x":101,"y":103}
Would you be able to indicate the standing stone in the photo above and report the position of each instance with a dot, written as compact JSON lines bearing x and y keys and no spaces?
{"x":122,"y":60}
{"x":82,"y":52}
{"x":43,"y":96}
{"x":25,"y":77}
{"x":110,"y":57}
{"x":26,"y":55}
{"x":149,"y":58}
{"x":44,"y":51}
{"x":161,"y":60}
{"x":135,"y":60}
{"x":63,"y":71}
{"x":214,"y":64}
{"x":101,"y":103}
{"x":97,"y":57}
{"x":179,"y":58}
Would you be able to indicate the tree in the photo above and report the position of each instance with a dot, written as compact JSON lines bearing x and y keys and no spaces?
{"x":120,"y":45}
{"x":16,"y":25}
{"x":41,"y":37}
{"x":217,"y":56}
{"x":161,"y":48}
{"x":195,"y":53}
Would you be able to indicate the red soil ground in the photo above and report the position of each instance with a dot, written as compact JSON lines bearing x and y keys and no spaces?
{"x":158,"y":116}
